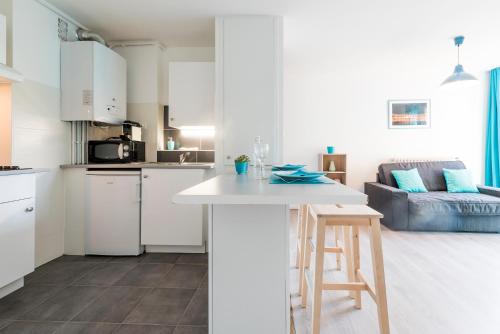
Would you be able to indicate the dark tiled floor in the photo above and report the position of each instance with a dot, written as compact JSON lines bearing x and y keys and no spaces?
{"x":149,"y":294}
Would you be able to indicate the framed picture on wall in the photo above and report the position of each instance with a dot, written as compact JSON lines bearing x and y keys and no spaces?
{"x":409,"y":114}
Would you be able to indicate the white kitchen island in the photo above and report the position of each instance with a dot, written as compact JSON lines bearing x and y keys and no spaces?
{"x":249,"y":250}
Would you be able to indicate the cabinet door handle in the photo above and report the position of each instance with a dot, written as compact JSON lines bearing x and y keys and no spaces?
{"x":228,"y":157}
{"x":30,"y":209}
{"x":138,"y":192}
{"x":145,"y":176}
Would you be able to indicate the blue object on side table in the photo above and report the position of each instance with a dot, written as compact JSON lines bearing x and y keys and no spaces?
{"x":330,"y":149}
{"x":241,"y":167}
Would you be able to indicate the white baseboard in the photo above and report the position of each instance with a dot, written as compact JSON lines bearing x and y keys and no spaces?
{"x":11,"y":287}
{"x":175,"y":249}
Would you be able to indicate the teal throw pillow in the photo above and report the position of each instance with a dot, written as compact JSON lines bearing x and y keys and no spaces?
{"x":459,"y":181}
{"x":409,"y":180}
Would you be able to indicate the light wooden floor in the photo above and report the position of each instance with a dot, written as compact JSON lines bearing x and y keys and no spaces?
{"x":437,"y":283}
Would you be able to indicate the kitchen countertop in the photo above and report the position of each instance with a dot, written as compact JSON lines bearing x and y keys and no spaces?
{"x":161,"y":165}
{"x":23,"y":171}
{"x":244,"y":189}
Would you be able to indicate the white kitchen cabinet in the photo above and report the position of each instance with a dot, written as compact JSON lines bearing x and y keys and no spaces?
{"x":93,"y":83}
{"x":112,"y":219}
{"x":17,"y":240}
{"x":17,"y":230}
{"x":248,"y":85}
{"x":164,"y":223}
{"x":191,"y":93}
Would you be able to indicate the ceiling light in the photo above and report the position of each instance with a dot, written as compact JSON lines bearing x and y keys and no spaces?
{"x":459,"y":76}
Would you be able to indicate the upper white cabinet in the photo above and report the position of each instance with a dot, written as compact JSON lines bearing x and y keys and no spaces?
{"x":93,"y":83}
{"x":191,"y":93}
{"x":248,"y":85}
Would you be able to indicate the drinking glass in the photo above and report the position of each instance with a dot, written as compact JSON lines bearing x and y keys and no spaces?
{"x":261,"y":151}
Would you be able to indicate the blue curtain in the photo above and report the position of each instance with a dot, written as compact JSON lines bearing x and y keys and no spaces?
{"x":492,"y":172}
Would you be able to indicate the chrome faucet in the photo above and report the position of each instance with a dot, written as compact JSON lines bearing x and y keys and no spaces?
{"x":183,"y":156}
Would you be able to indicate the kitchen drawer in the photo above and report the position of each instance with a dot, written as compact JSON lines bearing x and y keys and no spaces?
{"x":16,"y":187}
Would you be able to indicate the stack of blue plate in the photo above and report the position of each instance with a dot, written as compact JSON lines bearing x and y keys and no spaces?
{"x":298,"y":175}
{"x":287,"y":167}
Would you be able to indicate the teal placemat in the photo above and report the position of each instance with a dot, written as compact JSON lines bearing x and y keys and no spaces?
{"x":320,"y":180}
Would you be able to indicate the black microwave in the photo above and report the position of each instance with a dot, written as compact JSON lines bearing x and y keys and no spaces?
{"x":116,"y":151}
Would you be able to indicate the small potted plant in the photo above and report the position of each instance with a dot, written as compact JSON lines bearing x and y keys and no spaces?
{"x":241,"y":164}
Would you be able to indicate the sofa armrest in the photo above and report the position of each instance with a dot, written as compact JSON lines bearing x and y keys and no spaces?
{"x":489,"y":190}
{"x":391,"y":202}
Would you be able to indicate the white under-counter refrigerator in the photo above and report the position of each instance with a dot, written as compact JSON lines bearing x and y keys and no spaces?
{"x":113,"y":207}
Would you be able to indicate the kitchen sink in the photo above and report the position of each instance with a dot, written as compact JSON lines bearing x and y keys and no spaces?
{"x":183,"y":164}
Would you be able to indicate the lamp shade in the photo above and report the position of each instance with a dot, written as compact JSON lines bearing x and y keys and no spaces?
{"x":460,"y":75}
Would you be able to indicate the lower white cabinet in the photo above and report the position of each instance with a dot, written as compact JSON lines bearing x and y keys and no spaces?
{"x":17,"y":228}
{"x":112,"y":217}
{"x":164,"y":223}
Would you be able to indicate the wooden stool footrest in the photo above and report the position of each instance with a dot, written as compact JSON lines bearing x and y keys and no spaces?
{"x":369,"y":288}
{"x":345,"y":286}
{"x":338,"y":250}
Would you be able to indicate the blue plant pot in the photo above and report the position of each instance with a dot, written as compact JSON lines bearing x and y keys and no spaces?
{"x":241,"y":167}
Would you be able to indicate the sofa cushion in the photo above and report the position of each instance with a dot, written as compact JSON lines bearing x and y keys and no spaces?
{"x":431,"y":172}
{"x":409,"y":180}
{"x":459,"y":181}
{"x":438,"y":203}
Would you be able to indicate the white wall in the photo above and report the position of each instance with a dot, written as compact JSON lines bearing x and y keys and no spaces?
{"x":345,"y":60}
{"x":143,"y":92}
{"x":39,"y":138}
{"x":143,"y":66}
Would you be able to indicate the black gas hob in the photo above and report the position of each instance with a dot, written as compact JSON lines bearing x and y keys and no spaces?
{"x":12,"y":168}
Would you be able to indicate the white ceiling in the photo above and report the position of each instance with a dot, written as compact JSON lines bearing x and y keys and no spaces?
{"x":334,"y":24}
{"x":172,"y":22}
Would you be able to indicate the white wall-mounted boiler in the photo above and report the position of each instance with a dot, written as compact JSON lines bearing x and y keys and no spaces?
{"x":93,"y":83}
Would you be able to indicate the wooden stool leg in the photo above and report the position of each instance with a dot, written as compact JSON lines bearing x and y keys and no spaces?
{"x":318,"y":276}
{"x":356,"y":263}
{"x":300,"y":225}
{"x":303,"y":243}
{"x":378,"y":275}
{"x":337,"y":230}
{"x":348,"y":256}
{"x":306,"y":258}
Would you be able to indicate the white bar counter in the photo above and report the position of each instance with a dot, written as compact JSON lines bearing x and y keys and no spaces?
{"x":248,"y":247}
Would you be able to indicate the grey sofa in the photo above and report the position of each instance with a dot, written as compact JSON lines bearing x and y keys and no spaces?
{"x":436,"y":210}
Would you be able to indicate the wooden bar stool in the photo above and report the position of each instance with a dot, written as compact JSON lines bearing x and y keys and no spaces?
{"x":351,"y":218}
{"x":303,"y":234}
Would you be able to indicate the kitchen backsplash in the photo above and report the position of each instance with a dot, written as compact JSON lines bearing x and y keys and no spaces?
{"x":194,"y":156}
{"x":182,"y":142}
{"x":201,"y":147}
